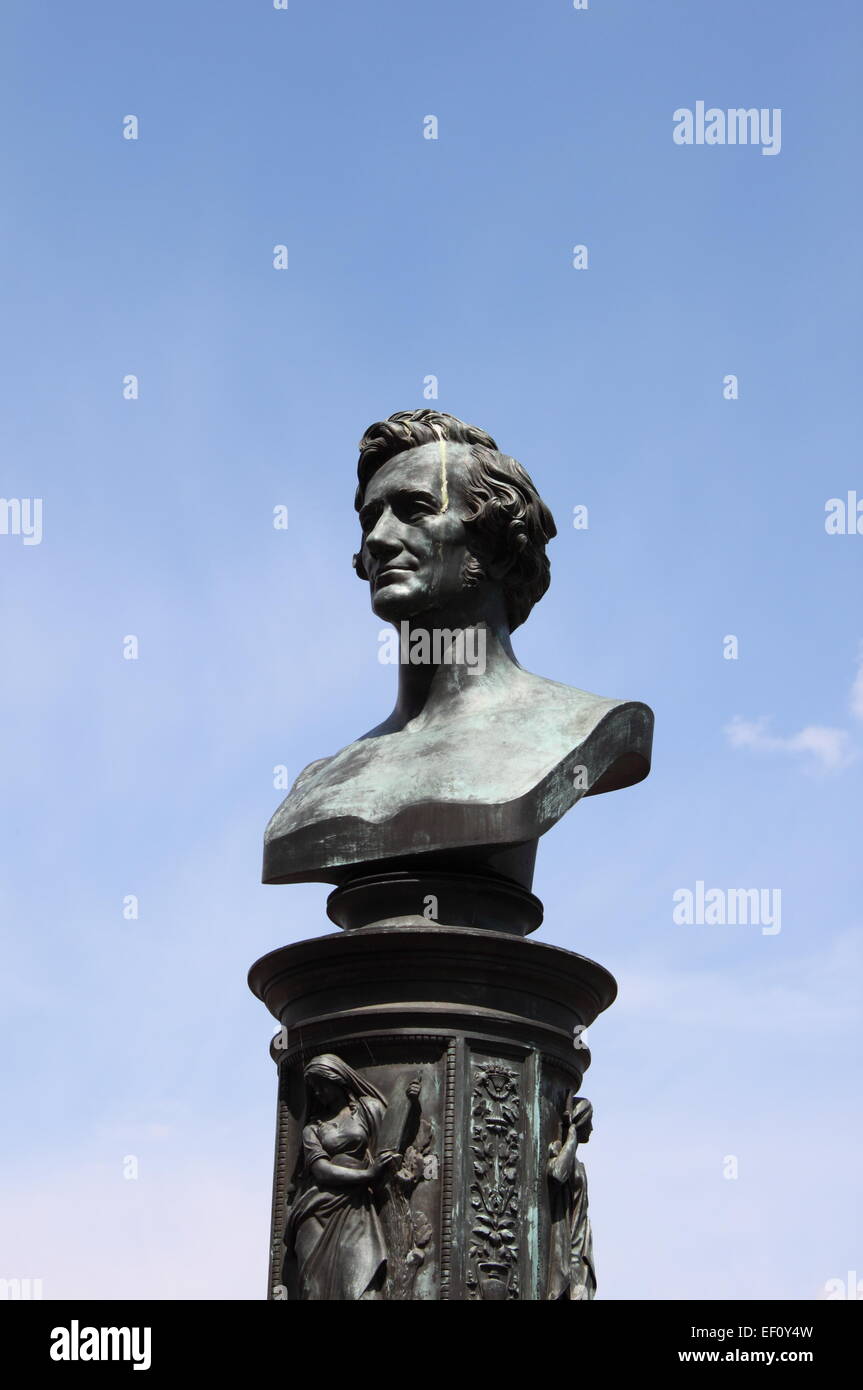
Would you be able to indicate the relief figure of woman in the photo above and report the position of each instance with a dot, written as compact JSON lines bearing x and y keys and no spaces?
{"x":333,"y":1238}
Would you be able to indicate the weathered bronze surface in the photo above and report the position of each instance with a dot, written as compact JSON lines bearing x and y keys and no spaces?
{"x":478,"y":758}
{"x":571,"y":1271}
{"x":429,"y":1056}
{"x":450,"y":1194}
{"x":336,"y":1247}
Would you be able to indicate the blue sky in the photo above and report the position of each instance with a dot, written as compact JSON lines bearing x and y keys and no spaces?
{"x":410,"y":257}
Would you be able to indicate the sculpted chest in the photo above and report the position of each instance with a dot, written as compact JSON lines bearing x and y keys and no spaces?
{"x":475,"y":782}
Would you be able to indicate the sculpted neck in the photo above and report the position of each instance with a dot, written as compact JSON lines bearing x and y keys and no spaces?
{"x":481,"y":663}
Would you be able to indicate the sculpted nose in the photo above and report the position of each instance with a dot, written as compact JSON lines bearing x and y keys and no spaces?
{"x":383,"y":540}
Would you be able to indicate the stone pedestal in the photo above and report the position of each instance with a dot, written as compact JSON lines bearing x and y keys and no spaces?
{"x":489,"y":1025}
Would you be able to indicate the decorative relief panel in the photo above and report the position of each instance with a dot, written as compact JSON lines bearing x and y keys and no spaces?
{"x":495,"y":1136}
{"x":358,"y":1177}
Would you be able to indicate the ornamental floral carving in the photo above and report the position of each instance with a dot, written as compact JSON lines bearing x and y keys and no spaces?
{"x":494,"y":1194}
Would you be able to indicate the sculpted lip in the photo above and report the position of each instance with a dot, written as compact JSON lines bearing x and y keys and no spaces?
{"x":391,"y":572}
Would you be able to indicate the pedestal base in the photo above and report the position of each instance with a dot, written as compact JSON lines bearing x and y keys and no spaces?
{"x":488,"y":1026}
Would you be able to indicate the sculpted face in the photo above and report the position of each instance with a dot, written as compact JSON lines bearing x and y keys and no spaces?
{"x":415,"y":543}
{"x":329,"y":1093}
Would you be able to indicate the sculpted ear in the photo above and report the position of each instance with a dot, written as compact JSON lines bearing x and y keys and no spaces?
{"x":494,"y":560}
{"x":499,"y":568}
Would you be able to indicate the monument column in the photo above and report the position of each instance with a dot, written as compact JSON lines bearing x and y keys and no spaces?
{"x":430,"y":1055}
{"x":488,"y":1024}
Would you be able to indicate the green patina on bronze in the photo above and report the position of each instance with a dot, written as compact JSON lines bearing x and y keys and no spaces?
{"x":429,"y":1057}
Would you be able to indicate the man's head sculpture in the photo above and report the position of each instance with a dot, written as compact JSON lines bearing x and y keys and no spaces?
{"x":474,"y":763}
{"x":444,"y":516}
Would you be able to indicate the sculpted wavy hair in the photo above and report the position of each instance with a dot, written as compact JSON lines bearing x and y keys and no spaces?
{"x":508,"y":517}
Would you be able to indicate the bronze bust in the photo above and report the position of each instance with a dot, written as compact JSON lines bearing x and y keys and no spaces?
{"x":479,"y":757}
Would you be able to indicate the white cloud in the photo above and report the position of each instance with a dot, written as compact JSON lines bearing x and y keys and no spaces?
{"x":830,"y":747}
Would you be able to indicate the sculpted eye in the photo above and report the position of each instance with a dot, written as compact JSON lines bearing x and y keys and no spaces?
{"x":415,"y":508}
